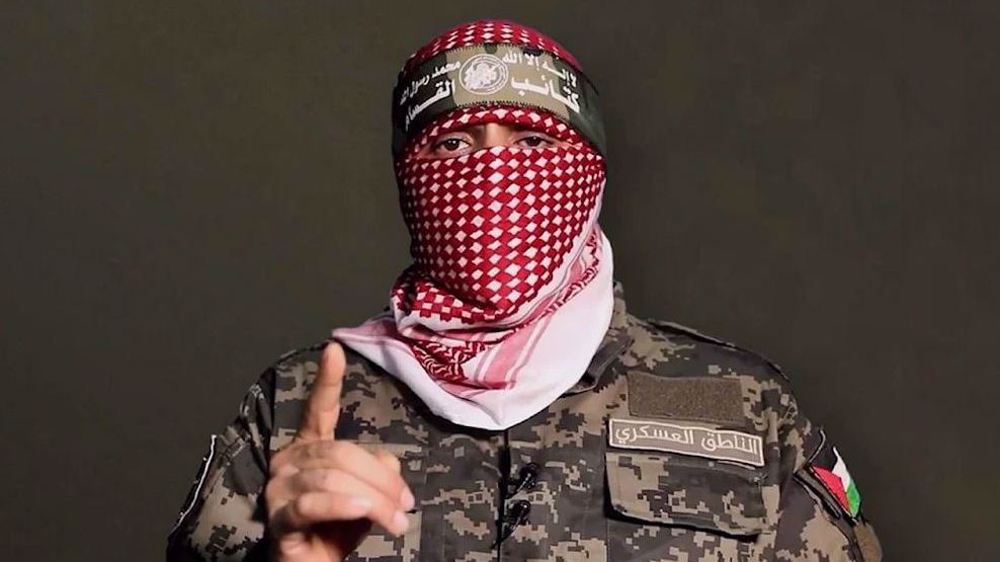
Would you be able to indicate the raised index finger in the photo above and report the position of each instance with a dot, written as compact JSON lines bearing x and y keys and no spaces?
{"x":323,"y":405}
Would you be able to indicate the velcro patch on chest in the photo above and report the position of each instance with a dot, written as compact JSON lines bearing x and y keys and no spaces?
{"x":717,"y":444}
{"x":709,"y":399}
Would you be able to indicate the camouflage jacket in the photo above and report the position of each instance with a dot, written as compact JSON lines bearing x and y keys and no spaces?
{"x":672,"y":446}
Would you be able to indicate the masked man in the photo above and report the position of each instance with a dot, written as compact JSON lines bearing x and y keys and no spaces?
{"x":505,"y":405}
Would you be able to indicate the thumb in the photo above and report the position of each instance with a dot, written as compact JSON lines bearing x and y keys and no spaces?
{"x":323,"y":405}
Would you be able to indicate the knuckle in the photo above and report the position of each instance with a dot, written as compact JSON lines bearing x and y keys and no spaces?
{"x":305,"y":505}
{"x":342,"y":448}
{"x":390,"y":481}
{"x":286,"y":471}
{"x":398,"y":485}
{"x":327,"y":448}
{"x":326,"y":479}
{"x":311,"y":450}
{"x":271,"y":491}
{"x":281,"y":469}
{"x":313,"y":479}
{"x":278,"y":461}
{"x":392,"y":461}
{"x":340,"y":453}
{"x":383,"y":512}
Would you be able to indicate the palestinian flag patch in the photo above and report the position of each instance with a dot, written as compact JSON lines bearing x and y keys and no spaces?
{"x":831,"y":470}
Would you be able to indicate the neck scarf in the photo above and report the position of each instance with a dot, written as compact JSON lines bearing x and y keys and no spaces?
{"x":510,"y":291}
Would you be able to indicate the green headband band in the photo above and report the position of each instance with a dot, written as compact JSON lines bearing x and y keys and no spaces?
{"x":507,"y":74}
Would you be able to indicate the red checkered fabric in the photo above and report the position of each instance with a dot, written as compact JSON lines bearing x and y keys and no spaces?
{"x":489,"y":31}
{"x":505,"y":244}
{"x":489,"y":229}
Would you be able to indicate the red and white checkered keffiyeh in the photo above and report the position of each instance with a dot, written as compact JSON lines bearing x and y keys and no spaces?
{"x":510,"y":291}
{"x":488,"y":31}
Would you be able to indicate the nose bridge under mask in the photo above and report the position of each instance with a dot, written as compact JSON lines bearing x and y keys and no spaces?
{"x":494,"y":225}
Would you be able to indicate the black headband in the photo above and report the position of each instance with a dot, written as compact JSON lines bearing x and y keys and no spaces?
{"x":506,"y":74}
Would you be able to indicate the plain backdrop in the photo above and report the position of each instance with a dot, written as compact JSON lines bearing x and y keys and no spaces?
{"x":190,"y":189}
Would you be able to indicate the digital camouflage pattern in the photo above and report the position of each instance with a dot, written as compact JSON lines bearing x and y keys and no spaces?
{"x":593,"y":502}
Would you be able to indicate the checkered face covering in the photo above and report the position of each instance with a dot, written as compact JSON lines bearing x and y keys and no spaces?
{"x":510,"y":290}
{"x":488,"y":31}
{"x":490,"y":228}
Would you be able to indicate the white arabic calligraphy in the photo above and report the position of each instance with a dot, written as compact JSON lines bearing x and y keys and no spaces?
{"x":485,"y":74}
{"x":444,"y":89}
{"x":714,"y":443}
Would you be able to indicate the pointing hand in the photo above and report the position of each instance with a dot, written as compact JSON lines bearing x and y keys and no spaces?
{"x":323,"y":495}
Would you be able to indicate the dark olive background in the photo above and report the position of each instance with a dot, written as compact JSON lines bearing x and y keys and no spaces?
{"x":190,"y":189}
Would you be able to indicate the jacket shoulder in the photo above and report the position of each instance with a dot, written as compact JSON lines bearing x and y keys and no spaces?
{"x":689,"y":332}
{"x":668,"y":348}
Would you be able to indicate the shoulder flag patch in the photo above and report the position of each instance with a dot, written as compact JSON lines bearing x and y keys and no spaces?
{"x":832,"y":471}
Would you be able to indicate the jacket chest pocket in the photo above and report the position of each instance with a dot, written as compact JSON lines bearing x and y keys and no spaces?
{"x":663,"y":505}
{"x":380,"y":545}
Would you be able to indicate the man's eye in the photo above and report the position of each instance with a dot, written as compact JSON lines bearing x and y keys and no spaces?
{"x":449,"y":144}
{"x":535,"y":141}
